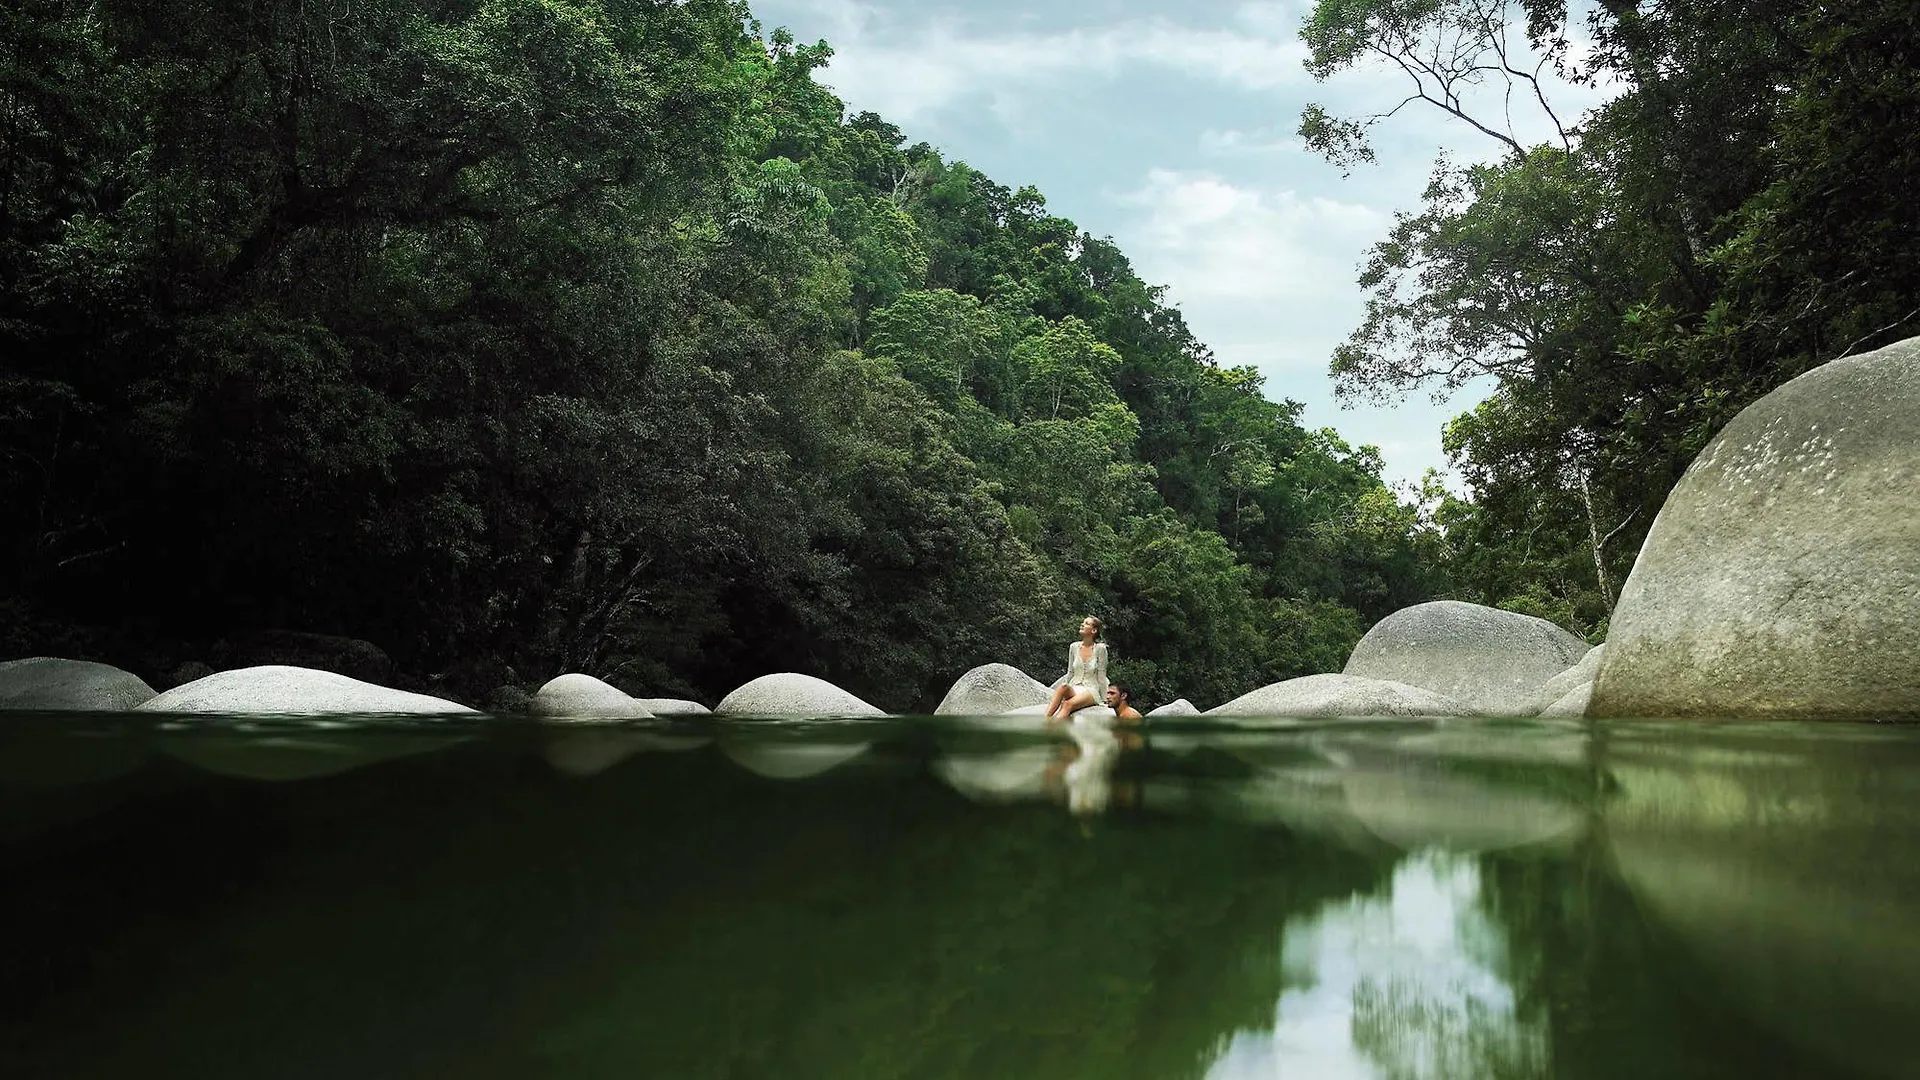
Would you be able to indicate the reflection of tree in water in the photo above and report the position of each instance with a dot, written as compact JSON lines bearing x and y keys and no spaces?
{"x":673,"y":916}
{"x":1416,"y":1032}
{"x":1409,"y":982}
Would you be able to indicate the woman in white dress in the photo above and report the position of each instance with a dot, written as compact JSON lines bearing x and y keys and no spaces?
{"x":1086,"y":681}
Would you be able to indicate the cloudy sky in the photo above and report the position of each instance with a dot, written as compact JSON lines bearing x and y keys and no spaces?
{"x":1169,"y":126}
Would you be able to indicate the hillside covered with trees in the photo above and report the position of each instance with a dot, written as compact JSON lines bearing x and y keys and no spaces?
{"x":529,"y":336}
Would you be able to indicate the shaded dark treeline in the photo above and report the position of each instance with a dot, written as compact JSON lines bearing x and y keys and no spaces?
{"x":525,"y":337}
{"x":1741,"y":210}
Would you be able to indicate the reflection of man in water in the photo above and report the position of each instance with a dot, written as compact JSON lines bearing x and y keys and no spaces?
{"x":1120,"y":700}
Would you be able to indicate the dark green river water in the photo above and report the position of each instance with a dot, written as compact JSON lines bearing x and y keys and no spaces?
{"x":932,"y":898}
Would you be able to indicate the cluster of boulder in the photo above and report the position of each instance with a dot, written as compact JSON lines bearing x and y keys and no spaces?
{"x":1781,"y":579}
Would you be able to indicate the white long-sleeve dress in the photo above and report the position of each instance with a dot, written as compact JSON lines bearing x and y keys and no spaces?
{"x":1092,"y":673}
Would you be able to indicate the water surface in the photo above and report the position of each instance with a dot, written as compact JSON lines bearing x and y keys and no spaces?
{"x":936,"y":898}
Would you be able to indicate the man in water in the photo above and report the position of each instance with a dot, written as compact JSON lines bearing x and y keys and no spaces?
{"x":1119,"y":700}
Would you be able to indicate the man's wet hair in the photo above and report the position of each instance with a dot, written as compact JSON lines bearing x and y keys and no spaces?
{"x":1124,"y":692}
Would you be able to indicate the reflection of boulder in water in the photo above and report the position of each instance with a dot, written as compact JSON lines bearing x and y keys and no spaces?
{"x":295,"y":757}
{"x":589,"y":753}
{"x":1305,"y":798}
{"x":1005,"y":776}
{"x":1416,"y":809}
{"x":1786,"y":870}
{"x":43,"y":761}
{"x":782,"y":758}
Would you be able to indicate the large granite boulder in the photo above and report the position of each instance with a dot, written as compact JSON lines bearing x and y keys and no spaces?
{"x":791,"y":694}
{"x":1782,"y":577}
{"x":51,"y":684}
{"x":583,"y":697}
{"x":274,"y":689}
{"x":991,"y":689}
{"x":1176,"y":707}
{"x":1488,"y":661}
{"x":1339,"y":695}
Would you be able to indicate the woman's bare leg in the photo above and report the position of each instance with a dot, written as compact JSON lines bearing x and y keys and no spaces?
{"x":1080,"y":698}
{"x":1059,"y":695}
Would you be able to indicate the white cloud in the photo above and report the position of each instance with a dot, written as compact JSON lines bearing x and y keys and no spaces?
{"x":1213,"y":239}
{"x":1261,"y":143}
{"x":944,"y":62}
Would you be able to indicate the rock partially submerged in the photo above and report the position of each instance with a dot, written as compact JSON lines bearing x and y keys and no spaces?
{"x":275,"y":689}
{"x":1487,"y":660}
{"x":792,"y":694}
{"x":991,"y":689}
{"x":1339,"y":695}
{"x":1782,"y":577}
{"x":583,"y":697}
{"x":50,"y":684}
{"x":1176,"y":707}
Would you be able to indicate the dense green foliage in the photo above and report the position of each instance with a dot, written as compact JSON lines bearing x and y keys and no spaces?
{"x":539,"y":335}
{"x":1741,"y":211}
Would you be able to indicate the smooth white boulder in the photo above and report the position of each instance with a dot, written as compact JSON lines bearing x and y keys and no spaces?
{"x":991,"y":689}
{"x":1573,"y":703}
{"x":1487,"y":660}
{"x":1176,"y":707}
{"x":275,"y":689}
{"x":667,"y":706}
{"x":1339,"y":695}
{"x":792,"y":694}
{"x":585,"y":697}
{"x":51,"y":684}
{"x":1781,"y":579}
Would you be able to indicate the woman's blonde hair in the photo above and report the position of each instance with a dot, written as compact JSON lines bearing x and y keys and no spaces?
{"x":1099,"y":627}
